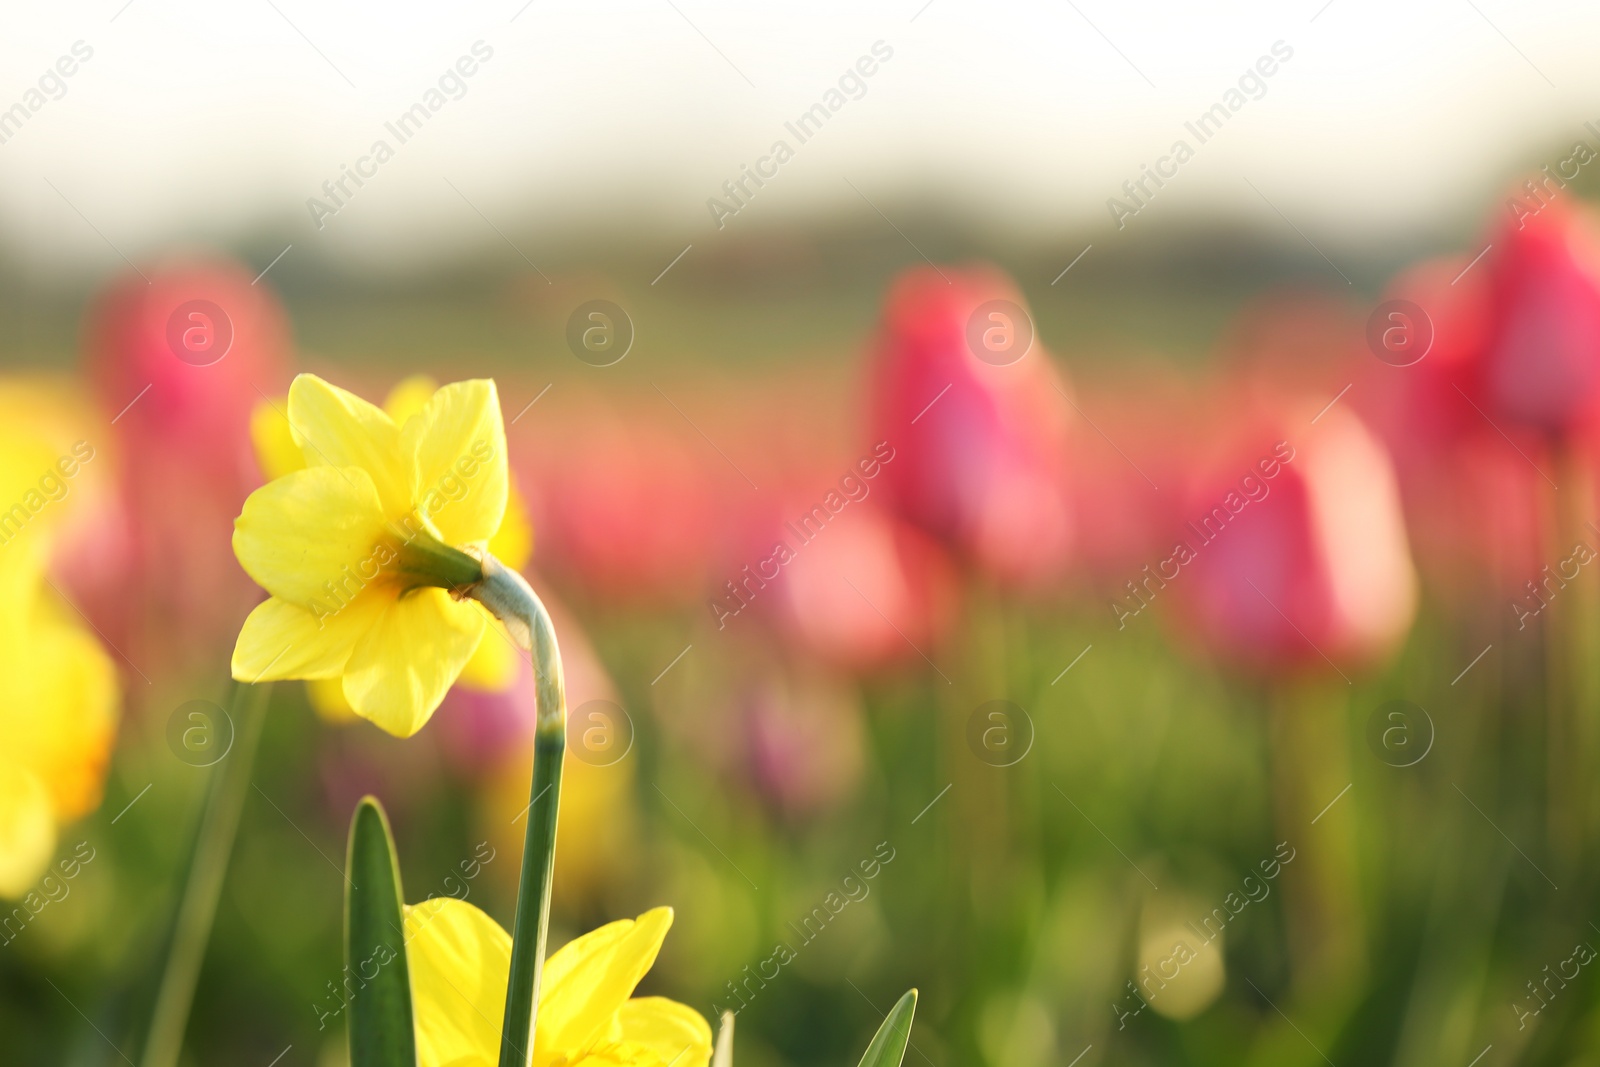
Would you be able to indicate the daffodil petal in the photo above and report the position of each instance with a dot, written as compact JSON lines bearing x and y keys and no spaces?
{"x":336,"y":428}
{"x":327,"y":700}
{"x":409,"y":396}
{"x":406,"y":662}
{"x":493,"y":668}
{"x":589,"y":980}
{"x":457,"y":444}
{"x":27,"y":829}
{"x":512,"y":544}
{"x":308,"y":529}
{"x":74,"y":705}
{"x":459,"y":959}
{"x":282,"y":640}
{"x":277,"y":452}
{"x":676,"y":1033}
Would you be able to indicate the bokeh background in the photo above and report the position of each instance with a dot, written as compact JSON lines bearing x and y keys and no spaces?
{"x":1320,"y":789}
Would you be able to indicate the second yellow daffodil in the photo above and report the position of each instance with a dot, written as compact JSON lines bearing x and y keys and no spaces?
{"x":588,"y":1015}
{"x":336,"y":544}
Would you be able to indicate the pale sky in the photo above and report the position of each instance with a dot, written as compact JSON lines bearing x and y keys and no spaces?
{"x":196,"y":121}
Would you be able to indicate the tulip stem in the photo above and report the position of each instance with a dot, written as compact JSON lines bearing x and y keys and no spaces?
{"x":509,"y":597}
{"x":208,"y":866}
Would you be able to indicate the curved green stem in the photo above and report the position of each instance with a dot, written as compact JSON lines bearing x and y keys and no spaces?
{"x":509,"y":597}
{"x":208,"y":866}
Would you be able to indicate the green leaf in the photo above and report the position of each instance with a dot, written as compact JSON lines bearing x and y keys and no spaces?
{"x":376,"y":976}
{"x":888,"y":1046}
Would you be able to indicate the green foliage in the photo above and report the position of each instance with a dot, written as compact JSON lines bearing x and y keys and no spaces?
{"x":381,"y":1031}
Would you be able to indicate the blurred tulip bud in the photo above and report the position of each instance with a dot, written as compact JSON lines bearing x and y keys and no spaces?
{"x":804,"y":742}
{"x":620,"y":503}
{"x":865,"y":590}
{"x":1473,"y":501}
{"x":979,"y":443}
{"x":179,"y":363}
{"x":1297,"y":547}
{"x":1541,"y":361}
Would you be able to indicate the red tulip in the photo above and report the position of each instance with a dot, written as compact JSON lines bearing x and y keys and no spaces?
{"x":980,"y":447}
{"x":1541,"y":360}
{"x":1297,"y":552}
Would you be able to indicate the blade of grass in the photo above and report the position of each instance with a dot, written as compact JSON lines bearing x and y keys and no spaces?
{"x":208,"y":866}
{"x":888,"y":1046}
{"x":380,"y":1028}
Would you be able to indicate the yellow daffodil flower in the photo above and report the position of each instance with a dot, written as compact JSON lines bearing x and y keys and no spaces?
{"x":493,"y":667}
{"x":58,"y":688}
{"x":336,"y":542}
{"x":588,"y":1016}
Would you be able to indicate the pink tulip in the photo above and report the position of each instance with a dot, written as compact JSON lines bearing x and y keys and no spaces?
{"x":804,"y":745}
{"x":866,"y":592}
{"x":1541,"y":360}
{"x":622,"y":499}
{"x":178,"y":363}
{"x":980,"y":447}
{"x":1298,"y":555}
{"x":1473,"y":498}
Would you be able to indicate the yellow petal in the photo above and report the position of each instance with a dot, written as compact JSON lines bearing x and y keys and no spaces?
{"x":73,"y":703}
{"x":282,"y":640}
{"x":406,"y":662}
{"x":27,"y":830}
{"x":458,"y":958}
{"x":308,"y":529}
{"x":675,"y":1033}
{"x":277,"y":453}
{"x":589,"y":980}
{"x":493,"y":668}
{"x":336,"y":428}
{"x":457,"y":444}
{"x":512,"y":544}
{"x":408,"y":397}
{"x":327,"y":700}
